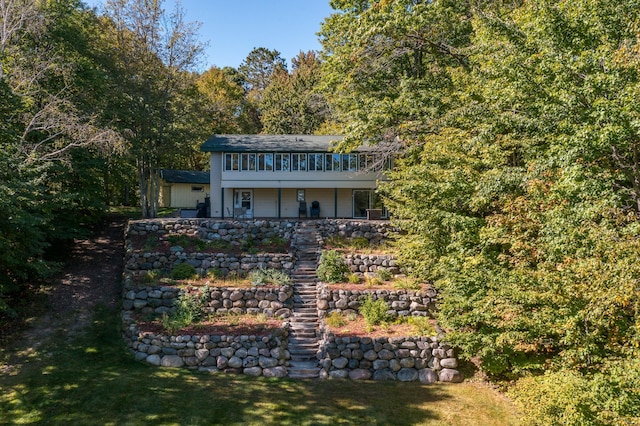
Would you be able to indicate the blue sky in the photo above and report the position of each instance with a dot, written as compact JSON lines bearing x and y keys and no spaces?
{"x":234,"y":27}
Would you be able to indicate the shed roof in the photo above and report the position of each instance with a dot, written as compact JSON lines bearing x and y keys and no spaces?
{"x":184,"y":176}
{"x":269,"y":143}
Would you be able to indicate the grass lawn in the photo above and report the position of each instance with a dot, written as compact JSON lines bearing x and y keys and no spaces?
{"x":93,"y":380}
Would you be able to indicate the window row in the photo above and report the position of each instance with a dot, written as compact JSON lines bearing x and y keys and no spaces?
{"x":267,"y":162}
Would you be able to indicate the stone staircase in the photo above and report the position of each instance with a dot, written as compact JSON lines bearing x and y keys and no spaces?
{"x":303,"y":340}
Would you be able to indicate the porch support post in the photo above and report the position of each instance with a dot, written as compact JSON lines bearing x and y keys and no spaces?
{"x":222,"y":202}
{"x":279,"y":203}
{"x":335,"y":202}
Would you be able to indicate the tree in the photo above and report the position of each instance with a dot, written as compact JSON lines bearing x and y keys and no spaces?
{"x":224,"y":102}
{"x":155,"y":53}
{"x":517,"y":183}
{"x":292,"y":103}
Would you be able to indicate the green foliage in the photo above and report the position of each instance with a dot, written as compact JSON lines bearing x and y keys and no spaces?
{"x":568,"y":397}
{"x":332,"y":267}
{"x":407,"y":283}
{"x":188,"y":309}
{"x":374,"y":311}
{"x":422,"y":325}
{"x":384,"y":274}
{"x":260,"y":277}
{"x":335,"y":319}
{"x":354,"y":279}
{"x":183,"y":271}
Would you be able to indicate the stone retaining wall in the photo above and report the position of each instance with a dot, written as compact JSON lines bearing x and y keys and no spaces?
{"x":273,"y":302}
{"x":215,"y":229}
{"x":222,"y":263}
{"x":376,"y":232}
{"x":362,"y":264}
{"x":250,"y":355}
{"x":400,"y":302}
{"x":405,"y":359}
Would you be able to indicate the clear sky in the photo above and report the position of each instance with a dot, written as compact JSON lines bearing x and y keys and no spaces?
{"x":234,"y":27}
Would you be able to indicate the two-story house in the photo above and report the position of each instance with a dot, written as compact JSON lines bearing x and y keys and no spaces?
{"x":285,"y":176}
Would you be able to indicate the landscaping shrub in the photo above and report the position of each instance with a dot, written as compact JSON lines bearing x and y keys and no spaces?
{"x":354,"y":279}
{"x":269,"y":276}
{"x":407,"y":283}
{"x":183,"y":271}
{"x":335,"y":319}
{"x":189,"y":308}
{"x":422,"y":325}
{"x":332,"y":267}
{"x":384,"y":274}
{"x":374,"y":311}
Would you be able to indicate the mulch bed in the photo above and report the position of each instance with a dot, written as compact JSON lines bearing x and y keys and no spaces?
{"x":243,"y":325}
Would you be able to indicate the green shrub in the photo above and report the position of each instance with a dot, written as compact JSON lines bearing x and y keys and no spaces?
{"x":422,"y":325}
{"x":354,"y":279}
{"x":610,"y":396}
{"x":359,"y":243}
{"x":332,"y":267}
{"x":268,"y":276}
{"x":151,"y":277}
{"x":384,"y":274}
{"x":335,"y":319}
{"x":407,"y":283}
{"x":189,"y":308}
{"x":374,"y":311}
{"x":214,"y":273}
{"x":183,"y":271}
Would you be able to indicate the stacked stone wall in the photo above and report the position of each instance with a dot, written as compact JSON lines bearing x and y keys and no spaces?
{"x":405,"y":359}
{"x":400,"y":302}
{"x":222,"y":263}
{"x":273,"y":302}
{"x":363,"y":264}
{"x":376,"y":232}
{"x":233,"y":231}
{"x":250,"y":355}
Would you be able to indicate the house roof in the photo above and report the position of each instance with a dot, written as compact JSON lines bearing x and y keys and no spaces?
{"x":269,"y":143}
{"x":184,"y":176}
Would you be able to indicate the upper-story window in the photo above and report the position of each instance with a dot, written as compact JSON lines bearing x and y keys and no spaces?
{"x":332,"y":162}
{"x":349,"y":162}
{"x":248,"y":162}
{"x":282,"y":163}
{"x":316,"y":162}
{"x":232,"y":162}
{"x":265,"y":162}
{"x":299,"y":162}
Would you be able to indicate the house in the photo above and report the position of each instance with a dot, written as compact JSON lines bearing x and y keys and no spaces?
{"x":183,"y":188}
{"x":286,"y":176}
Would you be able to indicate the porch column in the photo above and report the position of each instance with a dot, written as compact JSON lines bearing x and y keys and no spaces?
{"x":279,"y":203}
{"x":335,"y":203}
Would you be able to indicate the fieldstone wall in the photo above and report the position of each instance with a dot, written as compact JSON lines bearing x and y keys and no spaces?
{"x":250,"y":355}
{"x":233,"y":231}
{"x":273,"y":302}
{"x":405,"y":359}
{"x":362,"y":264}
{"x":137,"y":263}
{"x":400,"y":302}
{"x":376,"y":232}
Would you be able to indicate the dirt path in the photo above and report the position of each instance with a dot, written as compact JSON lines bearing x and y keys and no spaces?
{"x":90,"y":278}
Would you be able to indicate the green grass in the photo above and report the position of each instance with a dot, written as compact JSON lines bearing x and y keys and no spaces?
{"x":93,"y":380}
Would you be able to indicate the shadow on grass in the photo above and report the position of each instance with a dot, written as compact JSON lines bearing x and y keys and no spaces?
{"x":95,"y":381}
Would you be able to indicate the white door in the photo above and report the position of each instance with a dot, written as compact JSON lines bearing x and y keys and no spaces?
{"x":243,"y":203}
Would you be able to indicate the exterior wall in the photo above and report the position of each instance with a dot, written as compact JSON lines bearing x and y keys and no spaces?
{"x":165,"y":195}
{"x":217,"y":209}
{"x":183,"y":197}
{"x":318,"y":186}
{"x":265,"y":202}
